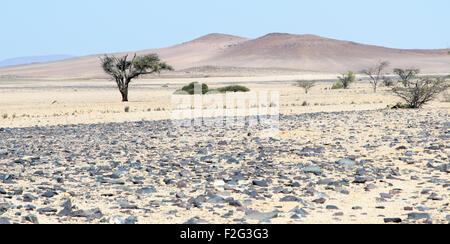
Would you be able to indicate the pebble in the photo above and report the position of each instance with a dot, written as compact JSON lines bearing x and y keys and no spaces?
{"x":224,"y":172}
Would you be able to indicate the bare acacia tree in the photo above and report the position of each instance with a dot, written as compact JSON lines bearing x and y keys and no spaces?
{"x":406,"y":75}
{"x":376,"y":73}
{"x":123,"y":71}
{"x":305,"y":84}
{"x":420,"y":91}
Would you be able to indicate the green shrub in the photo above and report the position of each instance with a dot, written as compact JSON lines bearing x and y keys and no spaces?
{"x":305,"y":84}
{"x":337,"y":85}
{"x":421,"y":91}
{"x":388,"y":82}
{"x":235,"y":88}
{"x":347,"y":79}
{"x":190,"y":89}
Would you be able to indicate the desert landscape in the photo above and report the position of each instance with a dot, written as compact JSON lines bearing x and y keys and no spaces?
{"x":72,"y":152}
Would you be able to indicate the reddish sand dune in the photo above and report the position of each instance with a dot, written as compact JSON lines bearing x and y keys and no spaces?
{"x":284,"y":51}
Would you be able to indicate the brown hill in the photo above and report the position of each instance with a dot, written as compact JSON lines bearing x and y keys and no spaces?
{"x":276,"y":50}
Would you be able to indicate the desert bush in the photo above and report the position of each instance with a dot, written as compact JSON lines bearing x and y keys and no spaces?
{"x":388,"y":82}
{"x":235,"y":88}
{"x":421,"y":91}
{"x":406,"y":75}
{"x":127,"y":109}
{"x":398,"y":106}
{"x":305,"y":84}
{"x":376,"y":73}
{"x":346,"y":80}
{"x":337,"y":85}
{"x":190,"y":89}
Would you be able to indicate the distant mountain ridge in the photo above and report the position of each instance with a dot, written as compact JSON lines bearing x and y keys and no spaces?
{"x":33,"y":59}
{"x":309,"y":53}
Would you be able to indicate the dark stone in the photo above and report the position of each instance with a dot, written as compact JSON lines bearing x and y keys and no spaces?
{"x":50,"y":194}
{"x":131,"y":220}
{"x":289,"y":199}
{"x":332,"y":207}
{"x":47,"y":210}
{"x":234,"y":203}
{"x":126,"y":205}
{"x":168,"y":181}
{"x":30,"y":207}
{"x":181,"y":184}
{"x":417,"y":216}
{"x":392,"y":220}
{"x":146,"y":190}
{"x":385,"y":195}
{"x":31,"y":218}
{"x":260,"y":183}
{"x":67,"y":210}
{"x":320,"y":201}
{"x":300,"y":211}
{"x":28,"y":198}
{"x":4,"y":207}
{"x":95,"y":213}
{"x":360,"y":180}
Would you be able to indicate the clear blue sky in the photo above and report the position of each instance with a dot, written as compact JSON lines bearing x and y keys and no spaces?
{"x":81,"y":27}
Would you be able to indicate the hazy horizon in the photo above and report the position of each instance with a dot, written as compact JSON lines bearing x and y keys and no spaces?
{"x":81,"y":28}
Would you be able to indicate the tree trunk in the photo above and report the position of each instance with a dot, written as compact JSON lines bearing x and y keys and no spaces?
{"x":124,"y":93}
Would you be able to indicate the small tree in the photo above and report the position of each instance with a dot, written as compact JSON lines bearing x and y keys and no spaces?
{"x":124,"y":71}
{"x":376,"y":73}
{"x":346,"y":80}
{"x":406,"y":75}
{"x":420,"y":91}
{"x":305,"y":84}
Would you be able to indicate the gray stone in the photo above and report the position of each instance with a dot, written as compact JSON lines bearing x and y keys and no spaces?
{"x":332,"y":207}
{"x":5,"y":221}
{"x":346,"y":162}
{"x":260,"y":183}
{"x":47,"y":210}
{"x":289,"y":199}
{"x":417,"y":216}
{"x":313,"y":170}
{"x":4,"y":207}
{"x":31,"y":218}
{"x":392,"y":220}
{"x":259,"y":216}
{"x":146,"y":190}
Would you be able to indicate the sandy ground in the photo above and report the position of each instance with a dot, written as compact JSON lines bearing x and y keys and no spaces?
{"x":26,"y":103}
{"x":42,"y":103}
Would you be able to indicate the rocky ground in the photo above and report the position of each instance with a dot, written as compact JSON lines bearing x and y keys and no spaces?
{"x":374,"y":166}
